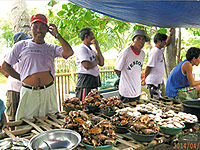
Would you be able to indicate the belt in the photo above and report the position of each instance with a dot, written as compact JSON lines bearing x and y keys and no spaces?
{"x":38,"y":87}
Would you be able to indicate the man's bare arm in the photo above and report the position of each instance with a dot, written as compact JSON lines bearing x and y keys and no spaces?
{"x":89,"y":64}
{"x":9,"y":69}
{"x":147,"y":71}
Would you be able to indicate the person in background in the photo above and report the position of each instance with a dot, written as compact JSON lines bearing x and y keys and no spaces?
{"x":180,"y":83}
{"x":14,"y":85}
{"x":3,"y":116}
{"x":129,"y":66}
{"x":37,"y":95}
{"x":87,"y":61}
{"x":155,"y":69}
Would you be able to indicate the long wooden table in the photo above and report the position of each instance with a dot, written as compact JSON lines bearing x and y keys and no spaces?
{"x":124,"y":141}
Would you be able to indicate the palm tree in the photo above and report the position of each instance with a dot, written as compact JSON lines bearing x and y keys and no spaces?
{"x":20,"y":17}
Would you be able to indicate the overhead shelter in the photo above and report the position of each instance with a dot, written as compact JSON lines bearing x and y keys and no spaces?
{"x":163,"y":13}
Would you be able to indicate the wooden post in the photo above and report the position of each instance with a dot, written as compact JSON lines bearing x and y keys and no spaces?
{"x":60,"y":101}
{"x":179,"y":46}
{"x":59,"y":97}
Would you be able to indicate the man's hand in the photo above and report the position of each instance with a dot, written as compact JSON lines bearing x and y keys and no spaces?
{"x":171,"y":30}
{"x":53,"y":29}
{"x":100,"y":57}
{"x":67,"y":50}
{"x":94,"y":41}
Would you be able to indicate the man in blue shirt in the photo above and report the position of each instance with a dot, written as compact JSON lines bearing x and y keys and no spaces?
{"x":180,"y":83}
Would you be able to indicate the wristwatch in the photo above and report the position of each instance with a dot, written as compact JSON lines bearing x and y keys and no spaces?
{"x":56,"y":36}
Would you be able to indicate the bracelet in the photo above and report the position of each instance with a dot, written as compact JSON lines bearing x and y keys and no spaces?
{"x":56,"y":36}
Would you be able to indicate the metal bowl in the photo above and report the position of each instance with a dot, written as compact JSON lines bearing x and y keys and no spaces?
{"x":55,"y":139}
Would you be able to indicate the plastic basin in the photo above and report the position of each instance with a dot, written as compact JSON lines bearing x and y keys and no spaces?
{"x":142,"y":137}
{"x":68,"y":109}
{"x":192,"y":106}
{"x":120,"y":129}
{"x":170,"y":131}
{"x":108,"y":113}
{"x":92,"y":108}
{"x":189,"y":125}
{"x":90,"y":147}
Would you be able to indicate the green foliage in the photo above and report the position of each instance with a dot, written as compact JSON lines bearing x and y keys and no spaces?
{"x":194,"y":31}
{"x":63,"y":65}
{"x":3,"y":79}
{"x":7,"y":33}
{"x":108,"y":31}
{"x":6,"y":37}
{"x":162,"y":30}
{"x":52,"y":3}
{"x":71,"y":18}
{"x":194,"y":41}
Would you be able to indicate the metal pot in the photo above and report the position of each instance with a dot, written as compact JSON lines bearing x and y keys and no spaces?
{"x":55,"y":139}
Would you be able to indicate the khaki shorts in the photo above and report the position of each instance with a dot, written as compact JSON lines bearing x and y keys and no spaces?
{"x":187,"y":93}
{"x":37,"y":102}
{"x":12,"y":102}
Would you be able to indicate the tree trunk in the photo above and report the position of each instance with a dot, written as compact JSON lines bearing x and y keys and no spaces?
{"x":179,"y":59}
{"x":171,"y":55}
{"x":20,"y":17}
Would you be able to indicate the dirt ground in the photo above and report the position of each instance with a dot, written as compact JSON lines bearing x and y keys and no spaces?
{"x":186,"y":142}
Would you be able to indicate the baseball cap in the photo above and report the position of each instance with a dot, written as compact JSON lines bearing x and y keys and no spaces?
{"x":39,"y":17}
{"x":20,"y":36}
{"x":141,"y":32}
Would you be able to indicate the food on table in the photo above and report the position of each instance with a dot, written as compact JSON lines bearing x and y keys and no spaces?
{"x":93,"y":98}
{"x":121,"y":118}
{"x":73,"y":102}
{"x":171,"y":123}
{"x":112,"y":104}
{"x":144,"y":125}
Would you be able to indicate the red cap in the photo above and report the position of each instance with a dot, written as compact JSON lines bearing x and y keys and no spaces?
{"x":39,"y":17}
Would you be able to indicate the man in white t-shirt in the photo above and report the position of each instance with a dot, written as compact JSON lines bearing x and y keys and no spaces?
{"x":155,"y":68}
{"x":129,"y":66}
{"x":87,"y":61}
{"x":37,"y":95}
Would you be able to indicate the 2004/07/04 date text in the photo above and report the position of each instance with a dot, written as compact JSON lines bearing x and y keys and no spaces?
{"x":187,"y":146}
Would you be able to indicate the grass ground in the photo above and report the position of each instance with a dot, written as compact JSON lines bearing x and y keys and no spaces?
{"x":3,"y":79}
